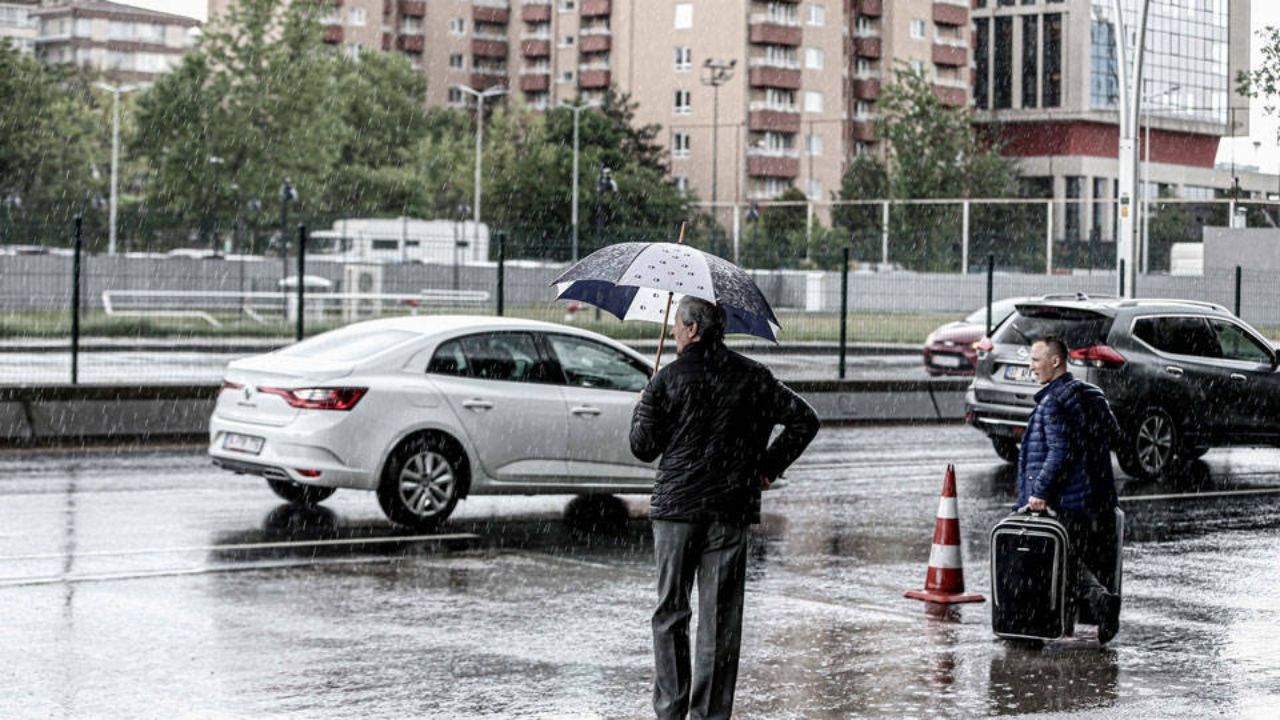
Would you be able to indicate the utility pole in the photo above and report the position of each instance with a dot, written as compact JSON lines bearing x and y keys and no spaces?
{"x":716,"y":73}
{"x":480,"y":98}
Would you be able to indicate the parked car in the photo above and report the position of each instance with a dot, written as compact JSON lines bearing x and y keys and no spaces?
{"x":424,"y":411}
{"x":951,"y":349}
{"x":1182,"y":376}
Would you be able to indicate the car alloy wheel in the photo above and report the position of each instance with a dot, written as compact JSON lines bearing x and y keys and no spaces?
{"x":1155,"y":443}
{"x":427,"y":484}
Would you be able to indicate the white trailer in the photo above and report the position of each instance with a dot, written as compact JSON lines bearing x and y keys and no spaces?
{"x":441,"y":242}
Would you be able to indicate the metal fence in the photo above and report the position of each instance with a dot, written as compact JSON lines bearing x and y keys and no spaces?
{"x":214,"y":308}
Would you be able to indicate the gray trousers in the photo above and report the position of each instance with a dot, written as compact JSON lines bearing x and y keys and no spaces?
{"x":717,"y":554}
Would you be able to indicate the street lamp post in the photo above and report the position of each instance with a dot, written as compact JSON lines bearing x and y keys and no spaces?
{"x":287,"y":193}
{"x":480,"y":98}
{"x":1130,"y":102}
{"x":575,"y":109}
{"x":115,"y":91}
{"x":716,"y":73}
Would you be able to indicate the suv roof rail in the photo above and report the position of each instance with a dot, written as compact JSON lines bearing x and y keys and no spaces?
{"x":1079,"y":295}
{"x":1136,"y":302}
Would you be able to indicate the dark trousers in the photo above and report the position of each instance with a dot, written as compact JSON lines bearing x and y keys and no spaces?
{"x":717,"y":554}
{"x":1093,"y":545}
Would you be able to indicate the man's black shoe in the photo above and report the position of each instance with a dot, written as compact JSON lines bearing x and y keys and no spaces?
{"x":1109,"y":618}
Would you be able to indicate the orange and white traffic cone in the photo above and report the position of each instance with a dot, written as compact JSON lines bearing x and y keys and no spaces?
{"x":944,"y":582}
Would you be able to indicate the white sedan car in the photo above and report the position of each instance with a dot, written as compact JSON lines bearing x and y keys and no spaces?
{"x":426,"y":410}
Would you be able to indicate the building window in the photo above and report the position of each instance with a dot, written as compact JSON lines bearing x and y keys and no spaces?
{"x":566,"y":41}
{"x":778,"y":99}
{"x":356,"y":16}
{"x":684,"y":59}
{"x":862,"y":110}
{"x":456,"y":61}
{"x":1099,"y":204}
{"x":683,"y":102}
{"x":1051,"y":65}
{"x":863,"y":68}
{"x":566,"y":76}
{"x":455,"y":96}
{"x":413,"y":26}
{"x":680,"y":145}
{"x":917,"y":29}
{"x":813,"y":189}
{"x":813,"y":145}
{"x":682,"y":183}
{"x":457,"y":26}
{"x":684,"y":16}
{"x":917,"y":66}
{"x":566,"y":6}
{"x":863,"y":26}
{"x":780,"y":55}
{"x":817,"y":15}
{"x":1003,"y":65}
{"x":981,"y":64}
{"x":813,"y":102}
{"x":1030,"y":56}
{"x":1072,"y":207}
{"x":813,"y":58}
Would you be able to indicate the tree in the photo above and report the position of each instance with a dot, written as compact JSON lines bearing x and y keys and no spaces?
{"x":865,"y":179}
{"x":47,"y":150}
{"x":778,"y":240}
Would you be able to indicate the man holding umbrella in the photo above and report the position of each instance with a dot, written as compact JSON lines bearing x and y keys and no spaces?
{"x":709,"y":415}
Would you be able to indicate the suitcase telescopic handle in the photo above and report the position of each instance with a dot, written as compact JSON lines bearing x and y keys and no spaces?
{"x":1026,"y":510}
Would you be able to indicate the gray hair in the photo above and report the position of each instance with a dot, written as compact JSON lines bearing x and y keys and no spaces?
{"x":709,"y":316}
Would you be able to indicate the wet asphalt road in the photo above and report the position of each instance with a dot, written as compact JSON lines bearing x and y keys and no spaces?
{"x":149,"y":584}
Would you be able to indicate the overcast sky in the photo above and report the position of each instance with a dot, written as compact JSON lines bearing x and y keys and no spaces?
{"x":1261,"y":130}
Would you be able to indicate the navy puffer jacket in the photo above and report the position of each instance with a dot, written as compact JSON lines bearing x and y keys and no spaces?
{"x":1065,"y":458}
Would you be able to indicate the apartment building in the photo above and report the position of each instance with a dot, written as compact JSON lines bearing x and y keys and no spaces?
{"x":124,"y":42}
{"x":1046,"y":82}
{"x":16,"y":24}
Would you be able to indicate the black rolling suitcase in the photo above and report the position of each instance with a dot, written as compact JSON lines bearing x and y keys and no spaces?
{"x":1030,"y":578}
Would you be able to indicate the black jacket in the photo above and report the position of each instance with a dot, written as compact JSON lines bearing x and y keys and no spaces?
{"x":709,"y":415}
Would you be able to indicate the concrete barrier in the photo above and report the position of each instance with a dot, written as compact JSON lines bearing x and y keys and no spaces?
{"x":60,"y":415}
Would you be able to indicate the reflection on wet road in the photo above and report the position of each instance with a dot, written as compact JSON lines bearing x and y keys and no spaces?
{"x":152,"y":585}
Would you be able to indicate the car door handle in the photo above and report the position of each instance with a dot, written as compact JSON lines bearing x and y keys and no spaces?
{"x":1173,"y":370}
{"x":477,"y":404}
{"x":585,"y":410}
{"x":1238,"y":377}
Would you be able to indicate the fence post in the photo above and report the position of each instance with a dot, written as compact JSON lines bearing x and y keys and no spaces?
{"x":502,"y":270}
{"x":884,"y":233}
{"x":1122,"y":278}
{"x":991,"y":273}
{"x":844,"y":306}
{"x":808,"y":228}
{"x":964,"y":240}
{"x":302,"y":285}
{"x":737,"y":231}
{"x":77,"y":248}
{"x":1237,"y":291}
{"x":1048,"y":238}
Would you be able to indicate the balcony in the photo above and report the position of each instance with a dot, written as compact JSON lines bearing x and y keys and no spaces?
{"x":535,"y":83}
{"x":535,"y":13}
{"x":774,"y":77}
{"x":595,"y":43}
{"x":413,"y":8}
{"x":864,"y":130}
{"x":768,"y":62}
{"x":410,"y":43}
{"x":773,"y":120}
{"x":488,"y":48}
{"x":490,"y":14}
{"x":484,"y":81}
{"x":770,"y":34}
{"x":871,"y":8}
{"x":945,"y":13}
{"x":333,"y":34}
{"x":868,"y":89}
{"x":950,"y":55}
{"x":791,"y":20}
{"x":535,"y":48}
{"x":867,"y":47}
{"x":775,"y":166}
{"x":953,"y":96}
{"x":593,"y":79}
{"x":596,"y":8}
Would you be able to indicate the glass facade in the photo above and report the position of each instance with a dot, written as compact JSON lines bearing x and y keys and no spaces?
{"x":1030,"y":37}
{"x":1003,"y":80}
{"x":981,"y":63}
{"x":1051,"y":64}
{"x":1185,"y":72}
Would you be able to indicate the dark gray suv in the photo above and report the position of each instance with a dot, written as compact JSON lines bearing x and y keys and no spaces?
{"x":1182,"y":376}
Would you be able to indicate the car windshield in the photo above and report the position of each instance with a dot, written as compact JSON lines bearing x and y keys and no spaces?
{"x":1000,"y":310}
{"x":348,"y":344}
{"x":1077,"y":328}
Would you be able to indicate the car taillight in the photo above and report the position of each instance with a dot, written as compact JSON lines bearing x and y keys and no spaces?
{"x":318,"y":398}
{"x":228,"y":385}
{"x":1099,"y":356}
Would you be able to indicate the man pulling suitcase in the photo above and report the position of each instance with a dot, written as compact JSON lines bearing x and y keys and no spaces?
{"x":1065,"y":463}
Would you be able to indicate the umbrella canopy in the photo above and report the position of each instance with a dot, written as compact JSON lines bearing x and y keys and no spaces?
{"x":632,"y":280}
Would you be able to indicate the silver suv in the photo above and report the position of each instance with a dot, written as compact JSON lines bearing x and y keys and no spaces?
{"x":1182,"y":376}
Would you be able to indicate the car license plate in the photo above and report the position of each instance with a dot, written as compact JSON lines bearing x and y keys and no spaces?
{"x":242,"y":443}
{"x":947,"y":361}
{"x":1019,"y":374}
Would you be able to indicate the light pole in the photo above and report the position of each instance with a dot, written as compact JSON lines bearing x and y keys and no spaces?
{"x":1146,"y":179}
{"x":480,"y":98}
{"x":460,"y":212}
{"x":287,"y":193}
{"x":1130,"y":102}
{"x":716,"y":73}
{"x":115,"y":91}
{"x":575,"y":109}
